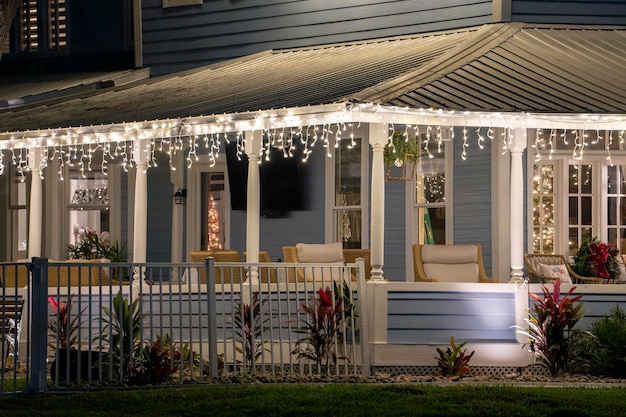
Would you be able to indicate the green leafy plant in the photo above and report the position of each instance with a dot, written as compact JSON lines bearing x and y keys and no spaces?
{"x":322,"y":328}
{"x":551,"y":320}
{"x":342,"y":290}
{"x":157,"y":363}
{"x":62,"y":326}
{"x":401,"y":148}
{"x":250,"y":323}
{"x":604,"y":351}
{"x":595,"y":258}
{"x":453,"y":361}
{"x":90,"y":246}
{"x":122,"y":333}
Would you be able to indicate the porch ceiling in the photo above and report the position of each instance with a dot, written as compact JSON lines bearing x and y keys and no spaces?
{"x":510,"y":67}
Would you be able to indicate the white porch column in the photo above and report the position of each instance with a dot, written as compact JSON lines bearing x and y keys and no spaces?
{"x":378,"y":136}
{"x":176,"y":176}
{"x":516,"y":147}
{"x":253,"y":211}
{"x":35,"y":219}
{"x":140,"y":223}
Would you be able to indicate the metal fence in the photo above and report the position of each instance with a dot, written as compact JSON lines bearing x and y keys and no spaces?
{"x":126,"y":323}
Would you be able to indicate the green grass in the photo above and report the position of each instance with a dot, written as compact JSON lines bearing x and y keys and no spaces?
{"x":323,"y":400}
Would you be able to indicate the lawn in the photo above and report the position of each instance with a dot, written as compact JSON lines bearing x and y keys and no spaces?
{"x":323,"y":400}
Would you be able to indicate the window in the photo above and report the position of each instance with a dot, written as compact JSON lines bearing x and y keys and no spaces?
{"x":347,"y":205}
{"x":19,"y":187}
{"x":43,"y":25}
{"x":88,"y":203}
{"x":543,"y":208}
{"x":593,"y":191}
{"x":430,"y":188}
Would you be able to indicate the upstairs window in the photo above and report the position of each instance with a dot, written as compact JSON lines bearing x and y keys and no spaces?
{"x":43,"y":26}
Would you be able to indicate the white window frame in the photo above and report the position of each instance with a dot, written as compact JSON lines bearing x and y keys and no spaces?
{"x":194,"y":179}
{"x":330,"y":225}
{"x":412,"y":209}
{"x":561,"y":160}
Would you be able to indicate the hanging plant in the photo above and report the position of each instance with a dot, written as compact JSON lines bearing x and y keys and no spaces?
{"x":400,"y":151}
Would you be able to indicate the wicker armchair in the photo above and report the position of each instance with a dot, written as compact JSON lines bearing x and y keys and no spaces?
{"x":349,"y":255}
{"x":449,"y":263}
{"x":231,"y":275}
{"x":535,"y":274}
{"x":266,"y":273}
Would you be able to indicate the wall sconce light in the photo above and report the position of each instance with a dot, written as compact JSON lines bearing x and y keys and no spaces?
{"x":180,"y":195}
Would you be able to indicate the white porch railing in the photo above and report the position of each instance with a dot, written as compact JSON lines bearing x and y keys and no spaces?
{"x":221,"y":319}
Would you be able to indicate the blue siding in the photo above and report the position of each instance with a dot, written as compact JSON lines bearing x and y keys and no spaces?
{"x":180,"y":38}
{"x":395,"y":231}
{"x":596,"y":304}
{"x":159,"y":247}
{"x":432,"y":317}
{"x":306,"y":226}
{"x":596,"y":12}
{"x":472,"y":194}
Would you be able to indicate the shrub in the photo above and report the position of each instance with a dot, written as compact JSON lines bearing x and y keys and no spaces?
{"x":322,"y":330}
{"x":63,"y":328}
{"x":551,"y":320}
{"x":606,"y":348}
{"x":453,"y":361}
{"x":122,"y":333}
{"x":250,"y":324}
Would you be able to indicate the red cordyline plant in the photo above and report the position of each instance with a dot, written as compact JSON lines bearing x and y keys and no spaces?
{"x":322,"y":327}
{"x":250,"y":324}
{"x":62,"y":326}
{"x":551,"y":320}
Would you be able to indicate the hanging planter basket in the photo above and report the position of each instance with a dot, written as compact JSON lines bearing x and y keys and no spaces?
{"x":401,"y":154}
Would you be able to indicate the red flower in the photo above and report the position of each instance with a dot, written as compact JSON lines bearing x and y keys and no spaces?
{"x":599,"y":256}
{"x":325,"y":296}
{"x":325,"y":307}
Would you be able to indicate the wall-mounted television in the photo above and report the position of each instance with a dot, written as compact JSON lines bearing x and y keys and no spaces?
{"x":279,"y":178}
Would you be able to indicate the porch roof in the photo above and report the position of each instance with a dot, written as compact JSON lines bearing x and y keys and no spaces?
{"x":505,"y":67}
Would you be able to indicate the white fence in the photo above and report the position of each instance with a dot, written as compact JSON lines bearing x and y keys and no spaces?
{"x":135,"y":323}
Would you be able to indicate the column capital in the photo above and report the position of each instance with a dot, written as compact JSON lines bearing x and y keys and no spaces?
{"x":517,"y":140}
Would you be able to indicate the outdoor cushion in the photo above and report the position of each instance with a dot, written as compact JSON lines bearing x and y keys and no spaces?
{"x":556,"y":271}
{"x":322,"y":253}
{"x":450,"y":254}
{"x":451,"y":263}
{"x":453,"y":272}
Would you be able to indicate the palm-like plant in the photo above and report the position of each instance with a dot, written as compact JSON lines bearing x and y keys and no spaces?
{"x":250,"y":323}
{"x":62,"y":326}
{"x":322,"y":330}
{"x":122,"y":333}
{"x":551,"y":319}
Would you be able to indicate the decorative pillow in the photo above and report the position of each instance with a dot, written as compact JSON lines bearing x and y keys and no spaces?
{"x":556,"y":271}
{"x":319,"y":252}
{"x":322,"y":253}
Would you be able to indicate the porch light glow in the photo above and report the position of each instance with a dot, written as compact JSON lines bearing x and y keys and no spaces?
{"x":328,"y":124}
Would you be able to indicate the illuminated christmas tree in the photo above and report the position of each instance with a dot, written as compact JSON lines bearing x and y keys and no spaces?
{"x":214,"y":225}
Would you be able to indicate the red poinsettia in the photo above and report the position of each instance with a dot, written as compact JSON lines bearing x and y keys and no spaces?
{"x":599,"y":256}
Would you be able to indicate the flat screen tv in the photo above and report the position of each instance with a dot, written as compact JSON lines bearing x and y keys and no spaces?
{"x":279,"y":178}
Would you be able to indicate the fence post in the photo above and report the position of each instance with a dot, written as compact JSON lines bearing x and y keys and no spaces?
{"x":364,"y":316}
{"x":39,"y":325}
{"x":209,"y":264}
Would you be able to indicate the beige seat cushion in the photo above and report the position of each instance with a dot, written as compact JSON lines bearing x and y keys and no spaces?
{"x":458,"y":263}
{"x":322,"y":253}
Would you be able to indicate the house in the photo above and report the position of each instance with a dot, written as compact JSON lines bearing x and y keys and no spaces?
{"x":494,"y":90}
